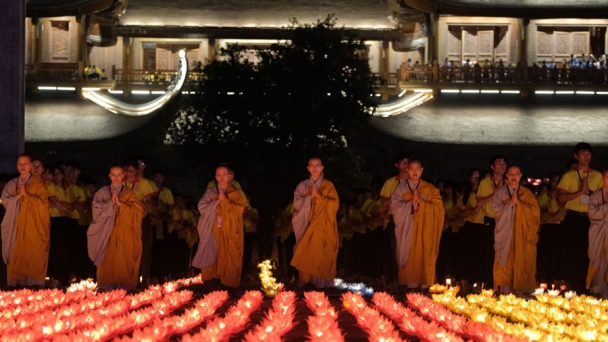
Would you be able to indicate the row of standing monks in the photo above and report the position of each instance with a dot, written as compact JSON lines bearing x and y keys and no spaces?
{"x":502,"y":206}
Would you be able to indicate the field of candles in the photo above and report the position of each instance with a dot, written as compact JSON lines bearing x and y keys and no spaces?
{"x":181,"y":311}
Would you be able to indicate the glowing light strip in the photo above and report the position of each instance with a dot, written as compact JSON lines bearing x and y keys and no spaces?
{"x":66,"y":88}
{"x":509,"y":91}
{"x":544,"y":92}
{"x":450,"y":91}
{"x":490,"y":91}
{"x":91,"y":89}
{"x":112,"y":91}
{"x":117,"y":106}
{"x":469,"y":91}
{"x":581,"y":92}
{"x":402,"y":105}
{"x":47,"y":88}
{"x":601,"y":92}
{"x":140,"y":92}
{"x":564,"y":92}
{"x":423,"y":90}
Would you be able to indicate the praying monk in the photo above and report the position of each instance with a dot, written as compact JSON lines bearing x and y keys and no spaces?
{"x":484,"y":236}
{"x":26,"y":227}
{"x":114,"y":237}
{"x":315,"y":204}
{"x":597,"y":274}
{"x":220,"y":228}
{"x":418,"y":213}
{"x":517,"y":220}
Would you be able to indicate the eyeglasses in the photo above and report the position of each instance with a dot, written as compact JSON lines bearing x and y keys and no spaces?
{"x":475,"y":176}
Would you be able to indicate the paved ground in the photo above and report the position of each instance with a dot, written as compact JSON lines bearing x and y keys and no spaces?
{"x":63,"y":116}
{"x":503,"y":119}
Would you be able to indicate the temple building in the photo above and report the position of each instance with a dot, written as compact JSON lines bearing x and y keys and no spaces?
{"x":418,"y":49}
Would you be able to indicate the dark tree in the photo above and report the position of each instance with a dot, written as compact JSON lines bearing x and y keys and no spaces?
{"x":307,"y":94}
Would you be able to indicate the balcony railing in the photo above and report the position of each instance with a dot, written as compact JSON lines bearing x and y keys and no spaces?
{"x":152,"y":77}
{"x":60,"y":72}
{"x":509,"y":75}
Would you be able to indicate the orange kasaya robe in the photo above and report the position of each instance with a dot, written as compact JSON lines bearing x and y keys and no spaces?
{"x":597,"y":272}
{"x":122,"y":252}
{"x":515,"y":238}
{"x":418,"y":234}
{"x":26,"y":231}
{"x":316,"y":229}
{"x":221,"y":232}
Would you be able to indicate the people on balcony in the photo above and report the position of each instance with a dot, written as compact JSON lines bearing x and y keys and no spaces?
{"x":575,"y":70}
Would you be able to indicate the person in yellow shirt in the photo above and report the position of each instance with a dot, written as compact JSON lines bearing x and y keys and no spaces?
{"x":390,"y":274}
{"x":219,"y":253}
{"x":25,"y":227}
{"x":282,"y":250}
{"x":469,"y":263}
{"x":60,"y":209}
{"x":418,"y":213}
{"x":183,"y":235}
{"x":251,"y":218}
{"x":161,"y":216}
{"x":77,"y":236}
{"x":550,"y":259}
{"x":485,"y":194}
{"x":38,"y":167}
{"x":574,"y":190}
{"x":146,"y":195}
{"x":315,"y":226}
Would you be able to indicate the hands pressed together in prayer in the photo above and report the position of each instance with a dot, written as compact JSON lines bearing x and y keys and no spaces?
{"x":514,"y":198}
{"x":21,"y":191}
{"x":221,"y":195}
{"x":415,"y":201}
{"x":115,"y":199}
{"x":314,"y":192}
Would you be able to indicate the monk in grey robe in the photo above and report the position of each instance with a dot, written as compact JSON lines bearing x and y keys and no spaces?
{"x":25,"y":227}
{"x":114,"y":236}
{"x":315,"y":227}
{"x":515,"y":236}
{"x":597,"y":274}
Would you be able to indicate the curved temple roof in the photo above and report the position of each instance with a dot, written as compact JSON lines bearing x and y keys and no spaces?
{"x":260,"y":13}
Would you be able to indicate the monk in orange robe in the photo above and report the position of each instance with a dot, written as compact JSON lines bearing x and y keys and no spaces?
{"x":26,"y":227}
{"x":114,"y":237}
{"x":515,"y":236}
{"x":314,"y":223}
{"x":597,"y":273}
{"x":220,"y":228}
{"x":418,"y":213}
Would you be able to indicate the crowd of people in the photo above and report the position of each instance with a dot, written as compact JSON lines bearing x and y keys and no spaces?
{"x":583,"y":69}
{"x":167,"y":227}
{"x":496,"y":228}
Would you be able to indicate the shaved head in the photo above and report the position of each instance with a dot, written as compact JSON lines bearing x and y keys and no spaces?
{"x":315,"y":159}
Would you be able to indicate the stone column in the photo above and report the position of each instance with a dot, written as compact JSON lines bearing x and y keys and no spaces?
{"x":12,"y":83}
{"x":211,"y":50}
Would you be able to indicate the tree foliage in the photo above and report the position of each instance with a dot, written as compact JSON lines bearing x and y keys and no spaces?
{"x":308,"y":93}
